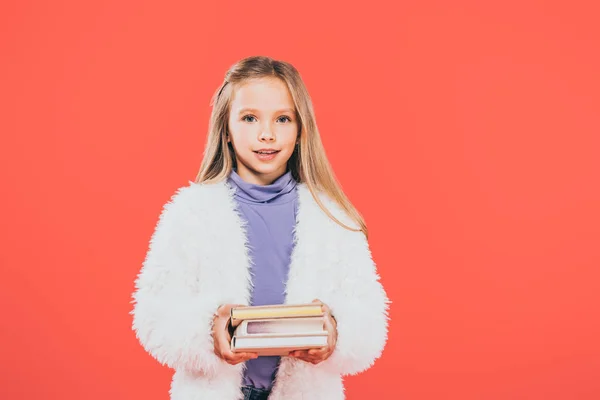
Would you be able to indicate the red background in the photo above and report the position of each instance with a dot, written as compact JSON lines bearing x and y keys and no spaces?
{"x":467,"y":133}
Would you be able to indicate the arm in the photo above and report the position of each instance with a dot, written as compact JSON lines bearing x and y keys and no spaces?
{"x":171,"y":318}
{"x":360,"y":311}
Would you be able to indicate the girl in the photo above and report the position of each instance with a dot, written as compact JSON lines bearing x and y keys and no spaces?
{"x":265,"y":222}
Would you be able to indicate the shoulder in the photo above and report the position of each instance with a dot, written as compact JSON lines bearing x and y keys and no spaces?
{"x":315,"y":214}
{"x":195,"y":200}
{"x":199,"y":192}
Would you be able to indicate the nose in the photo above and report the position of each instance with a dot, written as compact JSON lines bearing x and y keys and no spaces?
{"x":266,"y":135}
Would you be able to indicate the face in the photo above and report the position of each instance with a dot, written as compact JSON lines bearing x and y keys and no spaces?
{"x":262,"y":129}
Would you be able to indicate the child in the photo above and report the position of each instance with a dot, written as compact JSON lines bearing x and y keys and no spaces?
{"x":264,"y":223}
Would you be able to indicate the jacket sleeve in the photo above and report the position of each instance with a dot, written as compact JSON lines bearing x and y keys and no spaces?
{"x":171,"y":319}
{"x":360,"y":309}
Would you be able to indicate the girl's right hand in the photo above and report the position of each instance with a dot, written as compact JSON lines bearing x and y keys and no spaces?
{"x":222,"y":339}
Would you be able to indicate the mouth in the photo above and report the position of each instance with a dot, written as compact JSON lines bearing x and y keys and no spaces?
{"x":266,"y":152}
{"x":266,"y":155}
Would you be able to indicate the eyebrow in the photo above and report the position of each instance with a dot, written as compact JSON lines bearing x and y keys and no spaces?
{"x":244,"y":109}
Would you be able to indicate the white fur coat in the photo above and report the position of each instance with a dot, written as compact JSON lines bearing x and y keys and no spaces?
{"x":198,"y":259}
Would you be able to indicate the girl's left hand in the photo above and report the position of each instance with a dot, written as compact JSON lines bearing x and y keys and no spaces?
{"x":316,"y":356}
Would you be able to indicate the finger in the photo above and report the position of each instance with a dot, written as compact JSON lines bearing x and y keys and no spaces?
{"x":328,"y":324}
{"x":301,"y":354}
{"x":245,"y":355}
{"x":306,"y":359}
{"x":323,"y":353}
{"x":317,"y":301}
{"x":323,"y":356}
{"x":318,"y":352}
{"x":230,"y":356}
{"x":251,"y":356}
{"x":329,"y":320}
{"x":237,"y":361}
{"x":245,"y":358}
{"x":313,"y":355}
{"x":311,"y":359}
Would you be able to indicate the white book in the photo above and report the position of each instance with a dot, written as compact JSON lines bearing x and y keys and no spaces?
{"x":306,"y":326}
{"x":279,"y":336}
{"x":277,"y":345}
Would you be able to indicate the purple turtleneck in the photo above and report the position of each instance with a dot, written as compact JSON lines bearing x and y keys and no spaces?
{"x":270,"y":213}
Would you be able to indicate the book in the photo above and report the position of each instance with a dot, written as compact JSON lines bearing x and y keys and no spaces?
{"x":303,"y":325}
{"x":279,"y":336}
{"x":239,"y":314}
{"x":277,"y":345}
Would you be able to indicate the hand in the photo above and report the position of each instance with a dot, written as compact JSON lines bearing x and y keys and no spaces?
{"x":315,"y":356}
{"x":222,"y":338}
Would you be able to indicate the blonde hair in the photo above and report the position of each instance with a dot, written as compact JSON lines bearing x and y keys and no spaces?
{"x":308,"y":163}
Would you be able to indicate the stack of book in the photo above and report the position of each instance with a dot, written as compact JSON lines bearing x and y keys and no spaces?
{"x":278,"y":329}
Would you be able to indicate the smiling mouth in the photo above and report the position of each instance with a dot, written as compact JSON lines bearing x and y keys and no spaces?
{"x":266,"y":151}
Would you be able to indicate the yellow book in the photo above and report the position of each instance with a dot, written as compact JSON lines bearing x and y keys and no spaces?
{"x":239,"y":314}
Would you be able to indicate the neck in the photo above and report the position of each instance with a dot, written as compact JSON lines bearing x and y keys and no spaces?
{"x":278,"y":191}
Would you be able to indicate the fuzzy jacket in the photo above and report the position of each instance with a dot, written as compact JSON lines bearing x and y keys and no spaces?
{"x":198,"y":259}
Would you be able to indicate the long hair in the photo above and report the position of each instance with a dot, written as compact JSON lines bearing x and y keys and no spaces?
{"x":308,"y":163}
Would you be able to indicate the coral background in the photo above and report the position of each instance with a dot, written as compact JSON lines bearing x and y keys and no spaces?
{"x":466,"y":132}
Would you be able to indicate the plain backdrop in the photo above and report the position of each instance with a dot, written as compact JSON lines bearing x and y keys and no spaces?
{"x":466,"y":132}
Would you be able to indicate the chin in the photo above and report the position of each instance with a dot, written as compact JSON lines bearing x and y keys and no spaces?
{"x":264,"y":168}
{"x":267,"y":170}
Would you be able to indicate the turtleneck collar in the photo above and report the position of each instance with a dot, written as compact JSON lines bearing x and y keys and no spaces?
{"x":253,"y":193}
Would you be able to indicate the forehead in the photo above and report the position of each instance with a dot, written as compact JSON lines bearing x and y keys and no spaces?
{"x":262,"y":94}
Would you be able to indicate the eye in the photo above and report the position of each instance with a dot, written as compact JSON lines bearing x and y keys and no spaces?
{"x":285,"y":117}
{"x":245,"y":117}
